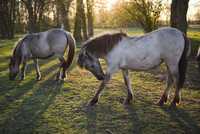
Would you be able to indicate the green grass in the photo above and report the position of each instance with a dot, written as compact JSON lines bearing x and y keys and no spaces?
{"x":53,"y":107}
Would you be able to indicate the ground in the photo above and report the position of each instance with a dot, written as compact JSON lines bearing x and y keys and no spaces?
{"x":48,"y":106}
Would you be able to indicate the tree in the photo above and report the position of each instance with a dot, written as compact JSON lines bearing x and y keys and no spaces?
{"x":64,"y":6}
{"x":83,"y":21}
{"x":80,"y":27}
{"x":8,"y":17}
{"x":35,"y":12}
{"x":178,"y":18}
{"x":90,"y":17}
{"x":77,"y":25}
{"x":145,"y":12}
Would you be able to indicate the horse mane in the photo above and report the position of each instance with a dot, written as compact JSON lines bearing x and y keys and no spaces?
{"x":102,"y":45}
{"x":17,"y":54}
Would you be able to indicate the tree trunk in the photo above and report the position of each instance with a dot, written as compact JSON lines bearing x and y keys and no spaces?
{"x":84,"y":22}
{"x":179,"y":14}
{"x":64,"y":9}
{"x":78,"y":25}
{"x":90,"y":4}
{"x":35,"y":12}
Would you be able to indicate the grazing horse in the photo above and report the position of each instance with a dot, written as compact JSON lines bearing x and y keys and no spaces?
{"x":53,"y":42}
{"x":141,"y":53}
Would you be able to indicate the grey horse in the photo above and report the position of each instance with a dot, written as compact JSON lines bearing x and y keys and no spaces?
{"x":43,"y":45}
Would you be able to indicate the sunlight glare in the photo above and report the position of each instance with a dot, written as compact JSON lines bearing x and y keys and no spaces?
{"x":111,"y":3}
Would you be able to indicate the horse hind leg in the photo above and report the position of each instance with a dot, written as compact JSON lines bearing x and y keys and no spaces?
{"x":37,"y":69}
{"x":165,"y":94}
{"x":177,"y":95}
{"x":62,"y":62}
{"x":128,"y":87}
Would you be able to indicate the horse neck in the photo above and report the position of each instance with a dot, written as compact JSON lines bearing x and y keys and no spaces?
{"x":17,"y":55}
{"x":101,"y":50}
{"x":103,"y":45}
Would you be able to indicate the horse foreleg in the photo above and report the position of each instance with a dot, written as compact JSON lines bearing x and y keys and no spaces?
{"x":165,"y":94}
{"x":101,"y":87}
{"x":37,"y":69}
{"x":128,"y":87}
{"x":23,"y":70}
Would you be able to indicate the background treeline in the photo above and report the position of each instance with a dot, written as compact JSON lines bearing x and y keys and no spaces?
{"x":82,"y":16}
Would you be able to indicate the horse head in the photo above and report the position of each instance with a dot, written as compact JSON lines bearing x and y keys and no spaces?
{"x":91,"y":63}
{"x":15,"y":61}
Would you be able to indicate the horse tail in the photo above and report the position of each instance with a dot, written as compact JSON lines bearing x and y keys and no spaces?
{"x":198,"y":58}
{"x":183,"y":61}
{"x":71,"y":51}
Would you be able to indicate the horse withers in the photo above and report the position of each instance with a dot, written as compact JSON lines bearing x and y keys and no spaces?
{"x":43,"y":45}
{"x":125,"y":53}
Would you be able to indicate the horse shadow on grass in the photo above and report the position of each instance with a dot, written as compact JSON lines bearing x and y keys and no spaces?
{"x":155,"y":120}
{"x":184,"y":120}
{"x":25,"y":119}
{"x":96,"y":124}
{"x":15,"y":90}
{"x":91,"y":116}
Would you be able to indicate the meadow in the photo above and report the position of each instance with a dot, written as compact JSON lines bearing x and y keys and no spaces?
{"x":50,"y":107}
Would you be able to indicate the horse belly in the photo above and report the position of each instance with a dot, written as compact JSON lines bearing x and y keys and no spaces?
{"x":58,"y":44}
{"x":141,"y":62}
{"x":41,"y":51}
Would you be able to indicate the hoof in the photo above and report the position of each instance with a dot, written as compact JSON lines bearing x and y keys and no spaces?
{"x":175,"y":102}
{"x":38,"y":78}
{"x":160,"y":103}
{"x":93,"y":102}
{"x":22,"y":78}
{"x":63,"y":76}
{"x":162,"y":100}
{"x":173,"y":105}
{"x":127,"y":101}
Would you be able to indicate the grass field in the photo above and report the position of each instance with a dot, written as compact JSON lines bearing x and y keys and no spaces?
{"x":50,"y":107}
